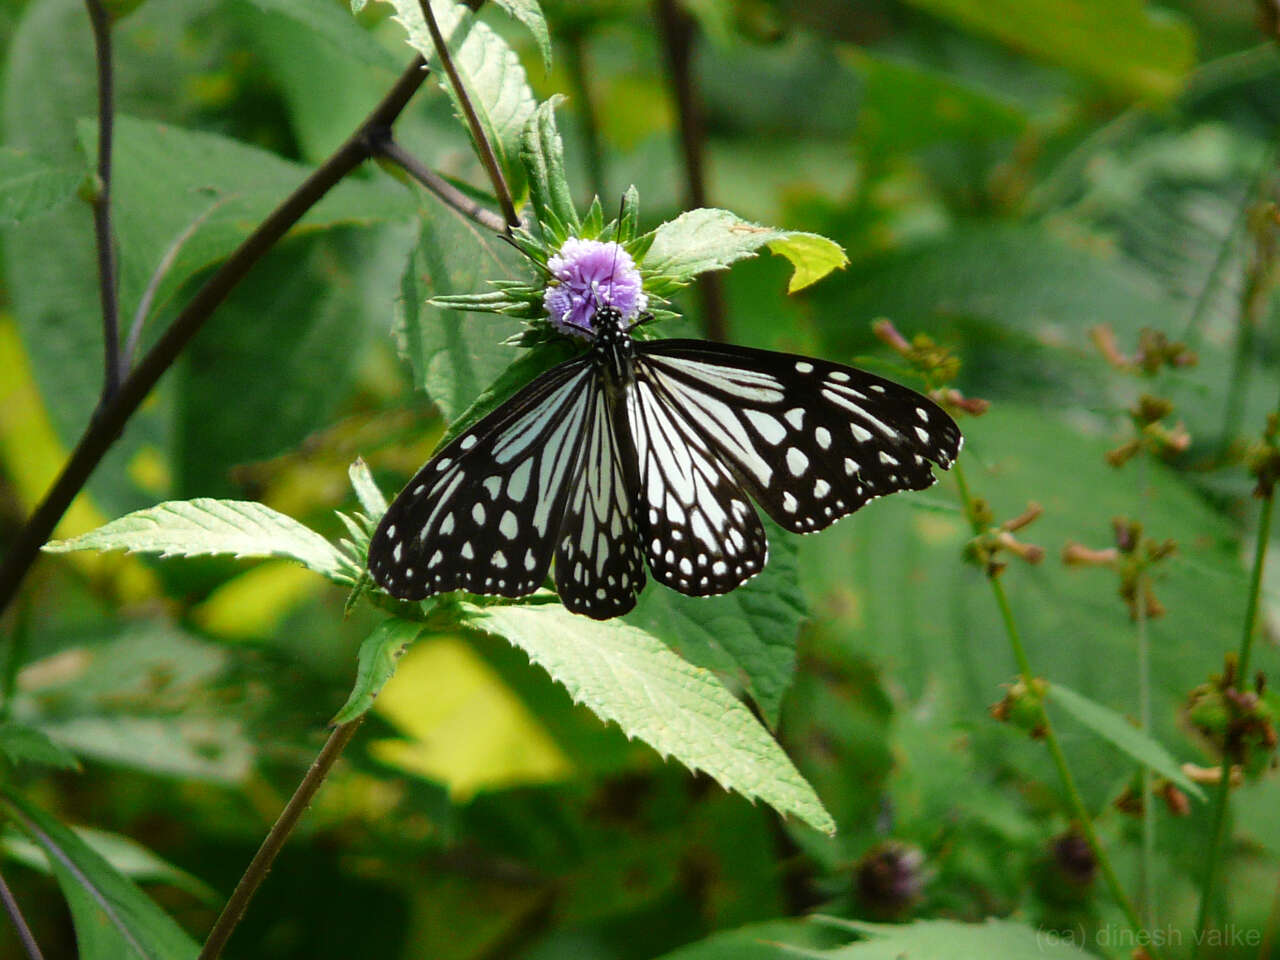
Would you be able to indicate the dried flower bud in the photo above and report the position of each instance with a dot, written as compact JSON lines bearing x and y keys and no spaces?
{"x":890,"y":878}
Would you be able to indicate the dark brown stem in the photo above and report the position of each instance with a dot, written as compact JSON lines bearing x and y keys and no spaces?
{"x":451,"y":196}
{"x":261,"y":863}
{"x":483,"y":147}
{"x":677,"y":29}
{"x":19,"y":922}
{"x":110,"y":418}
{"x":107,"y":293}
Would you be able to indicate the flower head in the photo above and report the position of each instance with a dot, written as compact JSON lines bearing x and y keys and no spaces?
{"x":590,"y":274}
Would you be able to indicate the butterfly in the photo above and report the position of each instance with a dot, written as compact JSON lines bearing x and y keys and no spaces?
{"x":649,"y":453}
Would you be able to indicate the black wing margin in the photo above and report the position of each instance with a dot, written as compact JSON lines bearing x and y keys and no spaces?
{"x":810,"y":440}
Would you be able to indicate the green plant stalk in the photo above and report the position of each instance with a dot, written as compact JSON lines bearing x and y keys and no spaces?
{"x":1147,"y":888}
{"x":1050,"y":733}
{"x":261,"y":863}
{"x":1221,"y":799}
{"x":19,"y":922}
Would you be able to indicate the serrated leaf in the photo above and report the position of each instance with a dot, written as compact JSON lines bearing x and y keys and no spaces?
{"x":542,"y":154}
{"x":748,"y":634}
{"x":376,"y":663}
{"x":631,"y":678}
{"x":709,"y":239}
{"x":529,"y":12}
{"x":30,"y":186}
{"x":367,"y":490}
{"x":206,"y":527}
{"x":1125,"y":44}
{"x":113,"y":919}
{"x":488,"y":68}
{"x":951,"y":939}
{"x":1123,"y":735}
{"x":24,"y":744}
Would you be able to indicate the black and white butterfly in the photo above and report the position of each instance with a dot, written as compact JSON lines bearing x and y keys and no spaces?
{"x":650,"y":453}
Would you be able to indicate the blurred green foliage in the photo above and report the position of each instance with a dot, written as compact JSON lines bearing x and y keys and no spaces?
{"x":1004,"y":176}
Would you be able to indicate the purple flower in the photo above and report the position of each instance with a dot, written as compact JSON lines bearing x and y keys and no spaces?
{"x":589,"y":275}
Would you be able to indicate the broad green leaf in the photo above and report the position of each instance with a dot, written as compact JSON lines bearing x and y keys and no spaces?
{"x":770,"y":940}
{"x":748,"y":635}
{"x":1123,"y":735}
{"x":709,"y":239}
{"x":30,"y":186}
{"x":955,"y":941}
{"x":1126,"y":45}
{"x":454,"y":355}
{"x":24,"y":744}
{"x":113,"y":919}
{"x":206,"y":527}
{"x":126,"y":855}
{"x":333,"y":293}
{"x":627,"y":676}
{"x":529,"y":12}
{"x":542,"y":154}
{"x":489,"y":70}
{"x":367,"y":491}
{"x":377,"y":662}
{"x":339,"y":30}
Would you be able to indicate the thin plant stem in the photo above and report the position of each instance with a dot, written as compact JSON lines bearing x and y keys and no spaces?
{"x":100,"y":21}
{"x":386,"y":146}
{"x":677,"y":30}
{"x":261,"y":863}
{"x":1221,"y":799}
{"x":483,"y":147}
{"x":19,"y":638}
{"x":105,"y":428}
{"x":19,"y":922}
{"x":580,"y":83}
{"x":1146,"y":886}
{"x":1059,"y":758}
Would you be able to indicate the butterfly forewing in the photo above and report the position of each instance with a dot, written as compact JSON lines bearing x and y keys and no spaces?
{"x":698,"y":529}
{"x":811,"y":441}
{"x":483,"y":514}
{"x":599,"y":565}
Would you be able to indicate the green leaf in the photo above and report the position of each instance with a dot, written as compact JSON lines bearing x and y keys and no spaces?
{"x":113,"y":919}
{"x":125,"y":855}
{"x":1135,"y":50}
{"x":489,"y":70}
{"x":542,"y":154}
{"x":627,"y":676}
{"x":529,"y":12}
{"x":377,"y":662}
{"x":748,"y":634}
{"x":453,"y":355}
{"x":367,"y":491}
{"x":30,"y":186}
{"x":206,"y":527}
{"x":24,"y":744}
{"x":948,"y":938}
{"x":709,"y":239}
{"x":339,"y":30}
{"x":1123,"y":735}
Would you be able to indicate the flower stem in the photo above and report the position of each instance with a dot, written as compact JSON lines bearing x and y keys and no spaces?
{"x":446,"y":192}
{"x":1221,"y":799}
{"x":261,"y":863}
{"x":483,"y":147}
{"x":1050,"y":733}
{"x":1146,"y":885}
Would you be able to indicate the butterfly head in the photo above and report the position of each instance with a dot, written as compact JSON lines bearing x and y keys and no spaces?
{"x":595,"y":285}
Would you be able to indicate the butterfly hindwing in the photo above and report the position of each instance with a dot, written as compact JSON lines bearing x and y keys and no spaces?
{"x":483,"y":514}
{"x":698,"y":529}
{"x":810,"y":440}
{"x":599,"y":564}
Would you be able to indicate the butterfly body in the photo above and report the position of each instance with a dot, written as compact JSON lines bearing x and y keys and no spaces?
{"x":649,"y":454}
